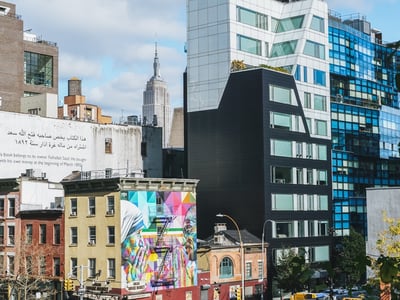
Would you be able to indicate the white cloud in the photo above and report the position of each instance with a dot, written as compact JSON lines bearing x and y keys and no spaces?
{"x":110,"y":46}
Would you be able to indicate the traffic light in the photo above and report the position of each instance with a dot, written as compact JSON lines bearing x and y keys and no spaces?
{"x":68,"y":285}
{"x":238,"y":294}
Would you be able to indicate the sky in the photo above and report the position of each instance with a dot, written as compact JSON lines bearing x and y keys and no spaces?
{"x":110,"y":44}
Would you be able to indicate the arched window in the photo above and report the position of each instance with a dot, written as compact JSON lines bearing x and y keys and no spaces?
{"x":226,"y":268}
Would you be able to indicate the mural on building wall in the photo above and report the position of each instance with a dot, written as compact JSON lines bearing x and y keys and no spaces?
{"x":158,"y":240}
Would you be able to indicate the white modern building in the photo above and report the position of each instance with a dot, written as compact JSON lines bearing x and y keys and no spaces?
{"x":156,"y":109}
{"x":288,"y":34}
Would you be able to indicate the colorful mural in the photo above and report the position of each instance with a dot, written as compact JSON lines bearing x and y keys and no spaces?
{"x":158,"y":240}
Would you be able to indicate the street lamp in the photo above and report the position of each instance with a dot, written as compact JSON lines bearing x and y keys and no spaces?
{"x":241,"y":250}
{"x":263,"y":255}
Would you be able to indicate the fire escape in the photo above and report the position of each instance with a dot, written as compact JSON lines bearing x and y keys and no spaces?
{"x":164,"y":275}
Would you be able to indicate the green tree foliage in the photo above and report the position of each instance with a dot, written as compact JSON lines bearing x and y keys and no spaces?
{"x":352,"y":260}
{"x":388,"y":245}
{"x":293,"y":273}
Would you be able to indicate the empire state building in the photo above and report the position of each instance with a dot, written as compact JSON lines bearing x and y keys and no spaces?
{"x":156,"y":108}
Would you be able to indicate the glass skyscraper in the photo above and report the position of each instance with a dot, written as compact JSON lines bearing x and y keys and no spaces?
{"x":365,"y":117}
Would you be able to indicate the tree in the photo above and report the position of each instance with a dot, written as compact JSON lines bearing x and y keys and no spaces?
{"x":388,"y":263}
{"x":293,"y":273}
{"x":29,"y":276}
{"x":352,"y":260}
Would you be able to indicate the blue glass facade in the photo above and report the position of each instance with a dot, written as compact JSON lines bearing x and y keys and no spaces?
{"x":365,"y":120}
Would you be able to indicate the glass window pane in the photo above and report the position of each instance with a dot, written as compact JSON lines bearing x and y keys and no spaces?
{"x":250,"y":45}
{"x":317,"y":23}
{"x":281,"y":148}
{"x":284,"y":48}
{"x":314,"y":49}
{"x":320,"y":102}
{"x":280,"y":94}
{"x":287,"y":24}
{"x":283,"y":202}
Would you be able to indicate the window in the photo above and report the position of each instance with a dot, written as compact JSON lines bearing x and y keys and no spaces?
{"x":281,"y":175}
{"x":29,"y":231}
{"x":314,"y":49}
{"x":287,"y":24}
{"x":42,"y":233}
{"x":92,"y":235}
{"x":10,"y":264}
{"x":11,"y":207}
{"x":310,"y":202}
{"x":38,"y":69}
{"x":284,"y":229}
{"x":74,"y":207}
{"x":260,"y":268}
{"x":108,"y":145}
{"x":249,"y":45}
{"x":282,"y":202}
{"x":322,"y":228}
{"x":321,"y":127}
{"x":42,"y":265}
{"x":110,"y":205}
{"x":74,"y":266}
{"x":320,"y":253}
{"x":111,"y":268}
{"x":92,"y":267}
{"x":281,"y":148}
{"x":226,"y":268}
{"x":74,"y":235}
{"x":297,"y":73}
{"x":1,"y":207}
{"x":322,"y":177}
{"x":56,"y":266}
{"x":322,"y":202}
{"x":1,"y":234}
{"x":2,"y":271}
{"x":307,"y":100}
{"x":92,"y":206}
{"x":317,"y":23}
{"x":309,"y":151}
{"x":320,"y":102}
{"x":283,"y":48}
{"x":57,"y":234}
{"x":310,"y":177}
{"x":111,"y":234}
{"x":299,"y":149}
{"x":11,"y":236}
{"x":280,"y":94}
{"x":319,"y":77}
{"x":322,"y":152}
{"x":29,"y":265}
{"x":281,"y":121}
{"x":248,"y":270}
{"x":252,"y":18}
{"x":299,"y":176}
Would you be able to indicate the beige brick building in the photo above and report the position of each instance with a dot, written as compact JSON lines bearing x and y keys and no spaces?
{"x":29,"y":64}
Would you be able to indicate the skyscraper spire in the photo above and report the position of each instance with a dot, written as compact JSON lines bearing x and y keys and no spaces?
{"x":156,"y":64}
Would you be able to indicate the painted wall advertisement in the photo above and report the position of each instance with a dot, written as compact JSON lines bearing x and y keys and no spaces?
{"x":58,"y":147}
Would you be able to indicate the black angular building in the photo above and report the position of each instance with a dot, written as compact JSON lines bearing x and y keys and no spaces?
{"x":258,"y":163}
